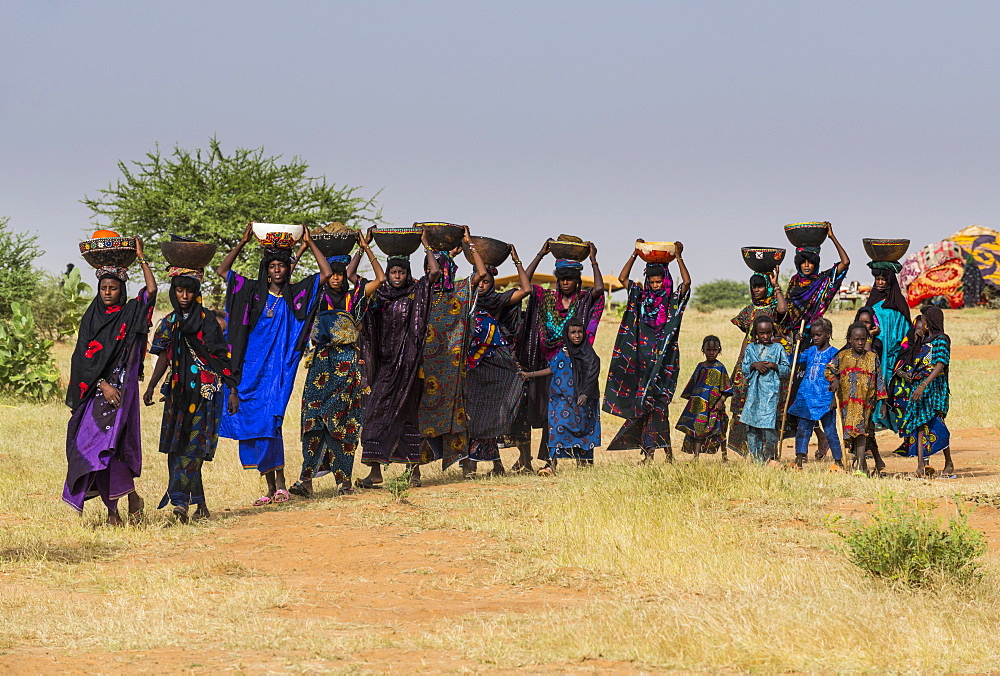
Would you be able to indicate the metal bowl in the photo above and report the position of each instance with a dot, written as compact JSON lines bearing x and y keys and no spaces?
{"x":762,"y":259}
{"x":885,"y":250}
{"x":277,"y":235}
{"x":101,"y":251}
{"x":398,"y":242}
{"x":811,"y":233}
{"x":574,"y":251}
{"x":193,"y":255}
{"x":660,"y":253}
{"x":492,"y":251}
{"x":336,"y":243}
{"x":442,"y":236}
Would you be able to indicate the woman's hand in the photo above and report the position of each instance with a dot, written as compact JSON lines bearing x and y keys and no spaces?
{"x":147,"y":396}
{"x":234,"y":402}
{"x":918,"y":393}
{"x":138,"y":247}
{"x":466,"y":235}
{"x":544,"y":251}
{"x":306,"y":237}
{"x":423,"y":238}
{"x":365,"y":238}
{"x":773,"y":276}
{"x":720,"y":405}
{"x":524,"y":375}
{"x":680,"y":249}
{"x":581,"y":400}
{"x":111,"y":393}
{"x":247,"y":234}
{"x":593,"y":252}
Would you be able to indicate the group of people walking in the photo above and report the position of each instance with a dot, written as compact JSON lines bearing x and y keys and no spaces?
{"x":419,"y":369}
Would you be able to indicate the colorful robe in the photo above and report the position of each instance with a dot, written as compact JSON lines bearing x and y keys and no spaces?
{"x":700,"y":418}
{"x":861,"y":388}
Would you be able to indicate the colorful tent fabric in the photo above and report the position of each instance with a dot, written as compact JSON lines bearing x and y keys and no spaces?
{"x":942,"y":280}
{"x":929,"y":257}
{"x":982,"y":245}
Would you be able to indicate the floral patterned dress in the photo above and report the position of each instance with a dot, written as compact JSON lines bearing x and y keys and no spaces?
{"x":861,"y":388}
{"x":700,"y":418}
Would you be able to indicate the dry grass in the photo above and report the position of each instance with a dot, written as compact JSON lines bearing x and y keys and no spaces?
{"x":704,"y":566}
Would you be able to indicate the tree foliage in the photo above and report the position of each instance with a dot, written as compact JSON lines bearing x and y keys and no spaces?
{"x":211,"y":196}
{"x":18,"y":277}
{"x":721,"y":293}
{"x":59,"y":304}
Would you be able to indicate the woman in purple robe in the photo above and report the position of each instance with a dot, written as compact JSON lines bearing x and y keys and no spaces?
{"x":103,"y":439}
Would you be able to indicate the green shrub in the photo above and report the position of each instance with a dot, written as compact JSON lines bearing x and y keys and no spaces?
{"x":59,"y":304}
{"x":905,"y":542}
{"x":399,"y":486}
{"x":27,"y":370}
{"x":720,"y":293}
{"x":18,"y":277}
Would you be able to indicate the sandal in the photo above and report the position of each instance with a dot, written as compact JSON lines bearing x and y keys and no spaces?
{"x":261,"y":501}
{"x":298,"y":488}
{"x":345,"y":489}
{"x":181,"y":512}
{"x":546,"y":471}
{"x":135,"y":518}
{"x":281,"y":495}
{"x":518,"y":468}
{"x":367,"y":483}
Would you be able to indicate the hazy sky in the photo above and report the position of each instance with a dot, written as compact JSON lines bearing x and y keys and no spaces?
{"x":714,"y":123}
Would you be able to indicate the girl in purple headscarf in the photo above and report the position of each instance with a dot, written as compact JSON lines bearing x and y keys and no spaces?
{"x":642,"y":376}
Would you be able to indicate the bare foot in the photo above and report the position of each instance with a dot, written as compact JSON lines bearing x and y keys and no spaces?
{"x":135,"y":506}
{"x":202,"y":513}
{"x":181,"y":513}
{"x":415,"y":476}
{"x":948,"y":469}
{"x":114,"y":519}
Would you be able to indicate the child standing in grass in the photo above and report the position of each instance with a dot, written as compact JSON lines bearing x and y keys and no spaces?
{"x":574,"y":418}
{"x":704,"y":420}
{"x":814,"y":400}
{"x":765,"y":363}
{"x":856,"y":376}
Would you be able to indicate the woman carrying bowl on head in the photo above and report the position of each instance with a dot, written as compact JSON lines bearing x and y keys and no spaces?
{"x":810,"y":291}
{"x":190,"y":342}
{"x":642,"y":376}
{"x":103,"y":439}
{"x":268,"y":331}
{"x":766,"y":300}
{"x":892,"y":314}
{"x":443,"y":419}
{"x":544,"y":321}
{"x":333,"y":390}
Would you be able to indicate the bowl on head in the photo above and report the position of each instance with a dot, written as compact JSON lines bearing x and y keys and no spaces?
{"x":103,"y":251}
{"x":442,"y":236}
{"x":657,"y":252}
{"x":570,"y":248}
{"x":885,"y":250}
{"x":811,"y":233}
{"x":192,"y":255}
{"x":397,"y":241}
{"x":762,"y":259}
{"x":277,"y":235}
{"x":336,"y":243}
{"x":492,"y":251}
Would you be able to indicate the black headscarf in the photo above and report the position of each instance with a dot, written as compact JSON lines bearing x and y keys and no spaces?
{"x":498,"y":305}
{"x":933,"y":322}
{"x":586,"y":363}
{"x":892,"y":296}
{"x":246,"y":298}
{"x":199,"y":332}
{"x":386,"y":292}
{"x":105,"y":333}
{"x":911,"y":344}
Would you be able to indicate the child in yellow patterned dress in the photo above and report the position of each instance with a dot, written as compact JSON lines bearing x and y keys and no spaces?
{"x":704,"y":420}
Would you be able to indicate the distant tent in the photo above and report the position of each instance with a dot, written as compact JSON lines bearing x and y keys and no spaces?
{"x":959,"y":268}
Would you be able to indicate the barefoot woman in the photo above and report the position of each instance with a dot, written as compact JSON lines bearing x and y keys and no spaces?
{"x":103,"y":439}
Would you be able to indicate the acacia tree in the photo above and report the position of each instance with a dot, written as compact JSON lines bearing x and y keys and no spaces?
{"x":18,"y":276}
{"x":211,"y":196}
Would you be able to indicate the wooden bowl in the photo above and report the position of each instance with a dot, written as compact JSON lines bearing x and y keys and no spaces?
{"x":812,"y":233}
{"x":193,"y":255}
{"x":336,"y":243}
{"x":762,"y":259}
{"x":885,"y":250}
{"x":399,"y":242}
{"x":101,"y":251}
{"x":657,"y":252}
{"x":277,"y":235}
{"x":574,"y":251}
{"x":492,"y":251}
{"x":442,"y":236}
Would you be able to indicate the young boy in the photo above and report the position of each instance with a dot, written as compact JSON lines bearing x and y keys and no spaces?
{"x":764,"y":364}
{"x":856,"y":376}
{"x":814,"y":400}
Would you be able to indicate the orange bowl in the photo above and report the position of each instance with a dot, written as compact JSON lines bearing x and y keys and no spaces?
{"x":660,"y":253}
{"x":98,"y":234}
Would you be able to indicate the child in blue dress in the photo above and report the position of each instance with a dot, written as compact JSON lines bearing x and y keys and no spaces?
{"x":574,"y":417}
{"x":814,"y":400}
{"x":765,"y":363}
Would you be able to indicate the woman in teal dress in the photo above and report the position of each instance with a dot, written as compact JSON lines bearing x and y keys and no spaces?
{"x":930,"y":397}
{"x":892,"y":315}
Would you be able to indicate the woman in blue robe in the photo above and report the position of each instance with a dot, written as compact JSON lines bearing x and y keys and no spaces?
{"x":268,"y":329}
{"x":892,"y":312}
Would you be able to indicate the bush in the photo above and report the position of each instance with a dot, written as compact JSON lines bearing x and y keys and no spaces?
{"x":18,"y":277}
{"x":720,"y":293}
{"x":59,"y":304}
{"x":26,"y":367}
{"x":905,"y":542}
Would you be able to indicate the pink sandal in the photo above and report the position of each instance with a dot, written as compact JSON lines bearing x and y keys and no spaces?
{"x":281,"y":495}
{"x":261,"y":501}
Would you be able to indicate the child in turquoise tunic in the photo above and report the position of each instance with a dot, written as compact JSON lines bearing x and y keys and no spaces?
{"x":765,"y":363}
